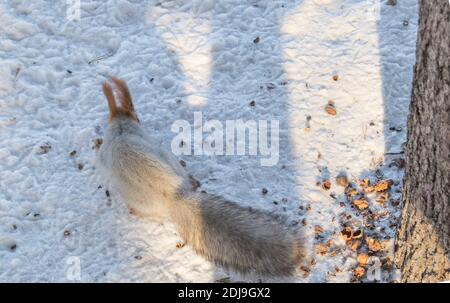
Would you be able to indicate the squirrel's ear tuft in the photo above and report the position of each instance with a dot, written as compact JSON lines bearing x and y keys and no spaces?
{"x":124,"y":94}
{"x":125,"y":106}
{"x":107,"y":90}
{"x":126,"y":102}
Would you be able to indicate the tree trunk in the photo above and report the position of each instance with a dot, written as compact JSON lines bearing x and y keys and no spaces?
{"x":423,"y":240}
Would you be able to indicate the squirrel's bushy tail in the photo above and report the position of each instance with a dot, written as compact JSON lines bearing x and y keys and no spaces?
{"x":236,"y":237}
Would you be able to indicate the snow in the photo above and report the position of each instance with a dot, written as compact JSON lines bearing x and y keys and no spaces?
{"x":180,"y":57}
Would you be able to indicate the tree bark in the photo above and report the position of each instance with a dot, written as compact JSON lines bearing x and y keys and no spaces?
{"x":423,"y":240}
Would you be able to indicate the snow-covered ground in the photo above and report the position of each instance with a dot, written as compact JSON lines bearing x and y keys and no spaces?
{"x":59,"y":220}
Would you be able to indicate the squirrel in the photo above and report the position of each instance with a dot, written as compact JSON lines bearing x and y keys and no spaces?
{"x":155,"y":185}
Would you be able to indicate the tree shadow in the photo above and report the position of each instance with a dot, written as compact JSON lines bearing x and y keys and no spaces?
{"x":248,"y":82}
{"x":397,"y":38}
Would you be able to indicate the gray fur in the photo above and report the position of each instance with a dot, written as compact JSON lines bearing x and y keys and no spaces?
{"x":155,"y":185}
